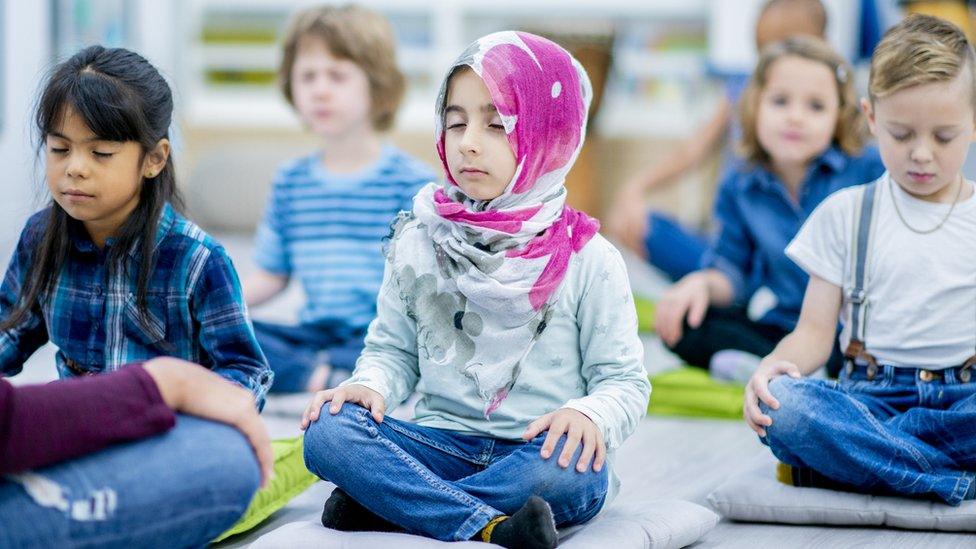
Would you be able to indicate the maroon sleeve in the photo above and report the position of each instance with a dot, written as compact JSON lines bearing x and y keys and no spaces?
{"x":44,"y":424}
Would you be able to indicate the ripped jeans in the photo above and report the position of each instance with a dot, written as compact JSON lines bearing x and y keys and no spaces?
{"x":179,"y":489}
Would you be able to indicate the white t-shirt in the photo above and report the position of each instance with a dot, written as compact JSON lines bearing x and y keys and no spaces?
{"x":921,"y":288}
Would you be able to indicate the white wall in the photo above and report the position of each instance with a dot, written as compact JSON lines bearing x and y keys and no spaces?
{"x":26,"y":56}
{"x":732,"y":23}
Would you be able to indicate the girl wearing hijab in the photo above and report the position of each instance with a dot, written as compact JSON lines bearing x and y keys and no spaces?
{"x":508,"y":314}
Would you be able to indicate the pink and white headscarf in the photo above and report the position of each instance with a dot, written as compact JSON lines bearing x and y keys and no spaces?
{"x":480,"y":277}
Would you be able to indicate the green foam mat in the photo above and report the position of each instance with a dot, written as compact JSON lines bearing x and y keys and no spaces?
{"x":291,"y":478}
{"x":692,"y":392}
{"x":645,"y":314}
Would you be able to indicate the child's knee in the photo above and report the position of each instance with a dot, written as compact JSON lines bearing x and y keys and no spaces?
{"x":223,"y":456}
{"x":787,"y":390}
{"x":794,"y":407}
{"x":329,"y":436}
{"x":550,"y":478}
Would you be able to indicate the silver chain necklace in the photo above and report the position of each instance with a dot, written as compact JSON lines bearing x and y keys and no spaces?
{"x":894,"y":202}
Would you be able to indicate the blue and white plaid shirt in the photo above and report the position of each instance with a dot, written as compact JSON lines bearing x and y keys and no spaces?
{"x":196,"y":309}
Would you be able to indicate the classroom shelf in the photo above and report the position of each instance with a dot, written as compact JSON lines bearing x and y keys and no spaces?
{"x":658,"y":49}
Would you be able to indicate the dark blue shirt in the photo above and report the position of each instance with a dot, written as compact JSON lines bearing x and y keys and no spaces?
{"x":757,"y":218}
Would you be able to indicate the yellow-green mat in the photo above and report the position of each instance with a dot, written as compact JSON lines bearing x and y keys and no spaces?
{"x":290,"y":479}
{"x":645,"y":314}
{"x":692,"y":392}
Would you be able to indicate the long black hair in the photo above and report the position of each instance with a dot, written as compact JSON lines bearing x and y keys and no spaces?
{"x":121,"y":97}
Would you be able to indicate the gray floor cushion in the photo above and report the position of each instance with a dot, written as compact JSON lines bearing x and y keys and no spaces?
{"x":755,"y":495}
{"x":654,"y":524}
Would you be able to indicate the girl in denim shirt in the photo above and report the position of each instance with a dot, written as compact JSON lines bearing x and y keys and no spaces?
{"x":802,"y":139}
{"x":509,"y":315}
{"x":110,"y":272}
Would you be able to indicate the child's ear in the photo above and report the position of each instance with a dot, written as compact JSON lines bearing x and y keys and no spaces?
{"x":868,"y":111}
{"x":156,"y":159}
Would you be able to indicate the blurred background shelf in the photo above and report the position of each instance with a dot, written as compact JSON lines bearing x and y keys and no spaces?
{"x":232,"y":51}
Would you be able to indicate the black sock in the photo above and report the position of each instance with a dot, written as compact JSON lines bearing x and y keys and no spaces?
{"x":343,"y":513}
{"x":531,"y":527}
{"x":805,"y":477}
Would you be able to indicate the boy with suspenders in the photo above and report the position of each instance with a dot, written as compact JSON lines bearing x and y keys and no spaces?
{"x":896,"y":260}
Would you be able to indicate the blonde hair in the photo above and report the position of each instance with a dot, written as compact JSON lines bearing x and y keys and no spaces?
{"x":850,"y":131}
{"x":920,"y":50}
{"x":360,"y":35}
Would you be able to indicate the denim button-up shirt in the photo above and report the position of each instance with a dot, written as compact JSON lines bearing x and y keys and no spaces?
{"x":195,"y":307}
{"x":757,"y":218}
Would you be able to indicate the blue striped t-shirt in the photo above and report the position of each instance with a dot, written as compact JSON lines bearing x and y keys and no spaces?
{"x":327,"y":230}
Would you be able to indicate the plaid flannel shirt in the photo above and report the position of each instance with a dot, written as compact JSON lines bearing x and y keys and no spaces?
{"x":196,"y":309}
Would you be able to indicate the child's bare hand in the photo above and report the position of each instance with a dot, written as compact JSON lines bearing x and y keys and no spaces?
{"x":758,"y":389}
{"x":357,"y":394}
{"x":577,"y":427}
{"x":194,"y":390}
{"x":689,"y":297}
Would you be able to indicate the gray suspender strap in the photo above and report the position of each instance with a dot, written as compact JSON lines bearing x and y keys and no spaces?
{"x":858,"y":294}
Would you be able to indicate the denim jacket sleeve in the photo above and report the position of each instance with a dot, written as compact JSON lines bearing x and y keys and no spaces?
{"x":389,"y":363}
{"x":732,"y":249}
{"x":17,"y":344}
{"x":612,"y":354}
{"x":225,"y":332}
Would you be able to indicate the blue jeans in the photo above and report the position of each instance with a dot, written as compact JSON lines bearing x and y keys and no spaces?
{"x":295,"y":351}
{"x":672,"y":248}
{"x":893,"y":435}
{"x":179,"y":489}
{"x":440,"y":483}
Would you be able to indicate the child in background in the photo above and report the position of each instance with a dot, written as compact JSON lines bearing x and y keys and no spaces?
{"x":674,"y":249}
{"x":802,"y":139}
{"x":893,"y":259}
{"x":329,"y":212}
{"x":509,"y":315}
{"x":110,"y":272}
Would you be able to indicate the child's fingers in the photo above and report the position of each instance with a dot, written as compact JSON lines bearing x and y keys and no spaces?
{"x":696,"y":310}
{"x":573,"y":437}
{"x":589,"y":450}
{"x":556,"y":430}
{"x":312,"y":410}
{"x":601,"y":452}
{"x":377,"y":407}
{"x":754,"y":416}
{"x":666,"y":325}
{"x":761,"y":386}
{"x":262,"y":449}
{"x":792,"y":370}
{"x":536,"y":427}
{"x":340,"y":396}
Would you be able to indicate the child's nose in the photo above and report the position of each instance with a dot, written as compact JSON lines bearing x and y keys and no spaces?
{"x":921,"y":153}
{"x":77,"y":166}
{"x":795,"y":113}
{"x":470,"y":142}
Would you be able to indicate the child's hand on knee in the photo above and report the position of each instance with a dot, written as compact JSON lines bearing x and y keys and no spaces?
{"x":355,"y":393}
{"x":688,"y":298}
{"x":577,"y":427}
{"x":758,"y":390}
